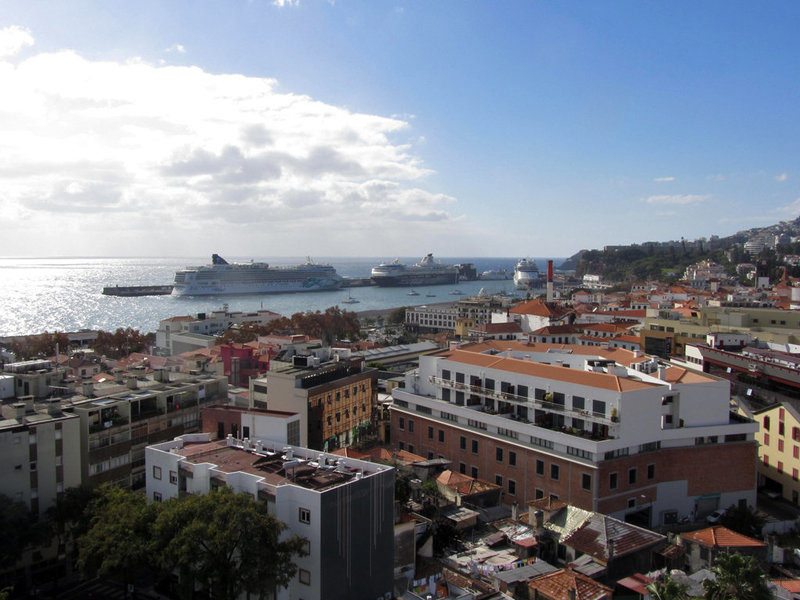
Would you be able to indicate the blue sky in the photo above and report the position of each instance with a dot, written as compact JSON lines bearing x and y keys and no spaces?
{"x":393,"y":128}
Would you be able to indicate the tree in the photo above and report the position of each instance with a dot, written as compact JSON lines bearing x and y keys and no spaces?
{"x":743,"y":519}
{"x":397,"y":316}
{"x":738,"y":577}
{"x":122,"y":342}
{"x":18,"y":530}
{"x":225,"y":543}
{"x":667,"y":588}
{"x":117,"y":543}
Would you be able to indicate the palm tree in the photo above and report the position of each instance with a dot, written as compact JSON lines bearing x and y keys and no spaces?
{"x":739,"y":577}
{"x":667,"y":588}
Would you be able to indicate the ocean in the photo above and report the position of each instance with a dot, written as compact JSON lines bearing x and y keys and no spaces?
{"x":65,"y":294}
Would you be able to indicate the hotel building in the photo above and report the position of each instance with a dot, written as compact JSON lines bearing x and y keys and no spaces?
{"x":607,"y":430}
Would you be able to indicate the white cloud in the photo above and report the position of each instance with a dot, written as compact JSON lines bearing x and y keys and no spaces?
{"x":179,"y":48}
{"x":663,"y":179}
{"x":13,"y":39}
{"x":677,"y":199}
{"x":790,"y":211}
{"x":782,"y":177}
{"x":283,"y":3}
{"x":125,"y":149}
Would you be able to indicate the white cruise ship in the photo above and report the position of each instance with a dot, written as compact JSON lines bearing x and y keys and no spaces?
{"x":526,"y":275}
{"x":425,"y":272}
{"x":222,"y":277}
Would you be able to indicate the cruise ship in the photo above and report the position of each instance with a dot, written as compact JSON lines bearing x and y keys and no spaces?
{"x":222,"y":277}
{"x":425,"y":272}
{"x":526,"y":275}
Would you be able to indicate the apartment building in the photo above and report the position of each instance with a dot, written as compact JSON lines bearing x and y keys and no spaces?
{"x":115,"y":429}
{"x":37,"y":460}
{"x":607,"y":430}
{"x":333,"y":393}
{"x":342,"y":506}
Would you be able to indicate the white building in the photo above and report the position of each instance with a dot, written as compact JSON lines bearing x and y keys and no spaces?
{"x":607,"y":430}
{"x":343,"y":507}
{"x":36,"y":463}
{"x":183,"y":334}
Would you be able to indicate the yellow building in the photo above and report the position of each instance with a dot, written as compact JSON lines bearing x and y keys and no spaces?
{"x":779,"y":450}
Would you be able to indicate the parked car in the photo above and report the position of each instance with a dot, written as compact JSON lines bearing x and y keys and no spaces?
{"x":715,"y":516}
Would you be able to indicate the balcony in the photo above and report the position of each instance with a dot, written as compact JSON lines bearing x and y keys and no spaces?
{"x":507,"y":397}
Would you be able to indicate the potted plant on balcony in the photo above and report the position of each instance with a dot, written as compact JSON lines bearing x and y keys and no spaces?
{"x":614,"y":415}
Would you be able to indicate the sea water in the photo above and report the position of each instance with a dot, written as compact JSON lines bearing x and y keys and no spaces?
{"x":65,"y":294}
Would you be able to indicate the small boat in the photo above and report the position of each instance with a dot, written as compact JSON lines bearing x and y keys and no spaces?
{"x":413,"y":293}
{"x":430,"y":295}
{"x":350,"y":300}
{"x":456,"y":293}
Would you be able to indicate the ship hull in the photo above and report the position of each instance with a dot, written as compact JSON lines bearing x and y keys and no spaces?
{"x":219,"y":288}
{"x":415,"y":280}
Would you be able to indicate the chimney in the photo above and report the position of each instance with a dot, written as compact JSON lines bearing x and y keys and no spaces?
{"x":514,"y":511}
{"x":88,"y":388}
{"x":130,"y":381}
{"x":54,"y":408}
{"x":662,"y":372}
{"x":549,"y":281}
{"x":118,"y":376}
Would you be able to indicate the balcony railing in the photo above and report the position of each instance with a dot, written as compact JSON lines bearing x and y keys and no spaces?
{"x":529,"y":402}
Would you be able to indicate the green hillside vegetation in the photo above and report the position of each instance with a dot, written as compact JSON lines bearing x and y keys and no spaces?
{"x":633,"y":263}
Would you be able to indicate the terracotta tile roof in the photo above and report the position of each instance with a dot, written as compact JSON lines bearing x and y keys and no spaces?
{"x":540,"y":308}
{"x":464,"y":484}
{"x":790,"y":585}
{"x":549,"y":504}
{"x":554,"y":372}
{"x":630,"y":339}
{"x":556,"y":586}
{"x":637,"y":583}
{"x":721,"y":537}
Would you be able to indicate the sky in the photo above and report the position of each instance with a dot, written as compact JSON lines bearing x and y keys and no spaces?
{"x":381,"y":128}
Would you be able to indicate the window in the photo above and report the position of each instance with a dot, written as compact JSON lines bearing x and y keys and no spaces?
{"x":780,"y":427}
{"x":512,"y":487}
{"x":631,"y":502}
{"x":780,"y":445}
{"x":411,"y":448}
{"x":586,"y":482}
{"x":430,"y":433}
{"x":539,"y":493}
{"x":796,"y":452}
{"x":304,"y":575}
{"x":157,"y":496}
{"x":462,"y":468}
{"x":401,"y":423}
{"x":794,"y":474}
{"x":401,"y":445}
{"x":554,"y":471}
{"x":411,"y":426}
{"x":173,"y":477}
{"x":156,"y":472}
{"x":766,"y":423}
{"x":498,"y":454}
{"x":780,"y":467}
{"x":766,"y":460}
{"x":612,"y":481}
{"x":304,"y":515}
{"x":462,"y":442}
{"x":632,"y":475}
{"x":474,"y":446}
{"x":498,"y":479}
{"x":578,"y":402}
{"x":766,"y":439}
{"x":474,"y":472}
{"x":599,"y":407}
{"x":539,"y":467}
{"x":651,"y":471}
{"x":441,"y":435}
{"x":512,"y":458}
